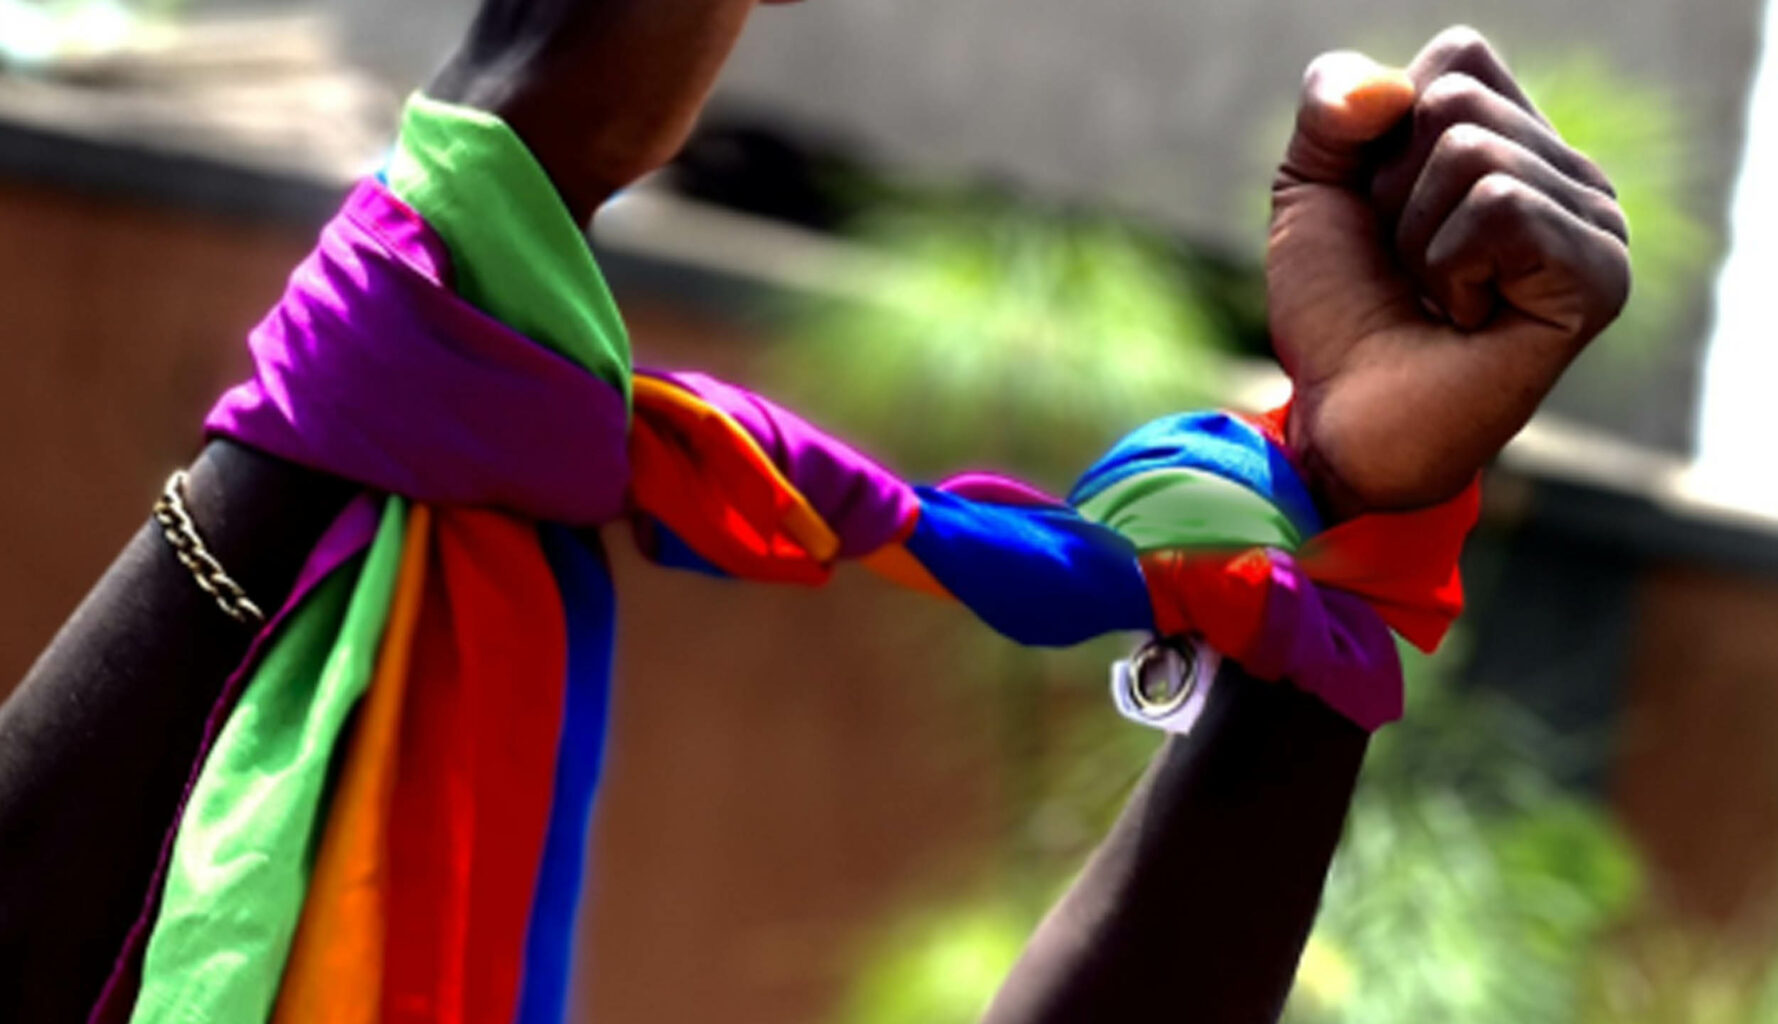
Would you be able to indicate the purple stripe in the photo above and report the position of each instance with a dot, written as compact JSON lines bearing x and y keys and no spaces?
{"x":371,"y":370}
{"x":999,"y":490}
{"x":350,"y":534}
{"x":1328,"y":643}
{"x":864,"y":504}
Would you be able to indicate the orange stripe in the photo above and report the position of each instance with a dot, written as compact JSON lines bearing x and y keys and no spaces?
{"x":894,"y":563}
{"x":335,"y":970}
{"x":703,"y":475}
{"x":799,"y":517}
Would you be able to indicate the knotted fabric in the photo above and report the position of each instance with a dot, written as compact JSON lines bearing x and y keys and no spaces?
{"x":389,"y":820}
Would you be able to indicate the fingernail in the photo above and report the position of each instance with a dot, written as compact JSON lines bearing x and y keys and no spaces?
{"x":1382,"y":91}
{"x":1361,"y":94}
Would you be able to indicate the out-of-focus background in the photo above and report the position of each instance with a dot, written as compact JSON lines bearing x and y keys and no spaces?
{"x":1000,"y":234}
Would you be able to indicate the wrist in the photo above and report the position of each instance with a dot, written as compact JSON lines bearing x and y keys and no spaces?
{"x":1334,"y":498}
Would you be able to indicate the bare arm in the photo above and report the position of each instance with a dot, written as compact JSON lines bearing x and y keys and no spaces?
{"x":1197,"y":905}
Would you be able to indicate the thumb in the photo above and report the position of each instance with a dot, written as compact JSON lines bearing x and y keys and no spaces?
{"x":1349,"y":101}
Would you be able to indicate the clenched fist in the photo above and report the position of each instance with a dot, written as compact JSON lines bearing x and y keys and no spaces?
{"x":1438,"y":257}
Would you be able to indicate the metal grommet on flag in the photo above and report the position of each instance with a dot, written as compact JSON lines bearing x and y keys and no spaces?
{"x":1166,"y":683}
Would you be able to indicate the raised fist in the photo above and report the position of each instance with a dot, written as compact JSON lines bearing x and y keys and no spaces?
{"x":1438,"y":257}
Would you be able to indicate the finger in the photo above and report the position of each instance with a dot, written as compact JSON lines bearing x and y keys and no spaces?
{"x":1462,"y":50}
{"x":1348,"y":101}
{"x":1507,"y":243}
{"x":1457,"y":99}
{"x":1463,"y":157}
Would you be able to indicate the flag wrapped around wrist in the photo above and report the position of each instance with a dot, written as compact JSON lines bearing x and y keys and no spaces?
{"x":390,"y":816}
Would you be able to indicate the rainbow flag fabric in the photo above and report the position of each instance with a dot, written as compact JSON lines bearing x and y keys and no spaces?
{"x":389,"y":818}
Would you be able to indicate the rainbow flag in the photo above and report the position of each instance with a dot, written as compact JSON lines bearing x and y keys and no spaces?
{"x":390,"y":816}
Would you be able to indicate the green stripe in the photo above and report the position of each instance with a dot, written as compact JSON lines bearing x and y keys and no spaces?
{"x":246,"y":844}
{"x":1187,"y":508}
{"x":517,"y":254}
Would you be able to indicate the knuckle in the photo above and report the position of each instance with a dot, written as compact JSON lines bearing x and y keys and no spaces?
{"x":1451,"y":99}
{"x":1467,"y":148}
{"x":1602,"y":287}
{"x":1461,"y":38}
{"x":1500,"y":196}
{"x":1610,"y":216}
{"x":1588,"y":170}
{"x":1463,"y":46}
{"x":1615,"y":281}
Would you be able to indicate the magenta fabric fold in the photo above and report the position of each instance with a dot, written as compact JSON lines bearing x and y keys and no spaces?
{"x":999,"y":490}
{"x":865,"y":505}
{"x":1329,"y":643}
{"x":349,"y":534}
{"x":370,"y":370}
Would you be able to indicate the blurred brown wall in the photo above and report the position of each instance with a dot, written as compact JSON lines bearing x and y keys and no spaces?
{"x":784,"y":767}
{"x":120,"y":325}
{"x":1697,"y":773}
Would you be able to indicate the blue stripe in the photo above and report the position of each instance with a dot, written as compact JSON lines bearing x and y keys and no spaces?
{"x":665,"y":548}
{"x":1041,"y":576}
{"x":590,"y":606}
{"x":1214,"y":442}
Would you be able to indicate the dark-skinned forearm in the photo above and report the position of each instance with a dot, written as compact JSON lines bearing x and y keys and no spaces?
{"x":98,"y":741}
{"x":1197,"y":905}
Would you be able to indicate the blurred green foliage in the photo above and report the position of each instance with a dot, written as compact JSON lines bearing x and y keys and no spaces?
{"x":1639,"y":133}
{"x":1470,"y":887}
{"x":1003,"y":337}
{"x":940,"y":966}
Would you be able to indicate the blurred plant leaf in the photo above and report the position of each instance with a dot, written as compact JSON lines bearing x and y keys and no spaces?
{"x":938,"y":968}
{"x":999,"y":335}
{"x":1638,"y":132}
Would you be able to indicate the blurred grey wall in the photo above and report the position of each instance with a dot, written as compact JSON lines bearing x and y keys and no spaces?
{"x":1173,"y":106}
{"x":404,"y":40}
{"x":1167,"y":106}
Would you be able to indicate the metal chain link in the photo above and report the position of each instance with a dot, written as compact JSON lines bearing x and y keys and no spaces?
{"x":176,"y":525}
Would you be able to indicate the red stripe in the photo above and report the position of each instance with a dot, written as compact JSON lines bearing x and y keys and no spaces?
{"x":1219,"y":596}
{"x":473,"y":791}
{"x":1405,"y":564}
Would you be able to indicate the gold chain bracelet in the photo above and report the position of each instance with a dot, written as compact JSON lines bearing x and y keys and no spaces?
{"x":176,"y":525}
